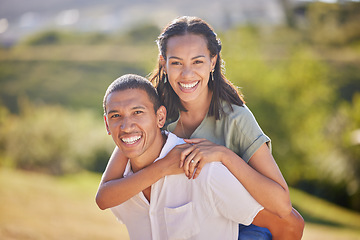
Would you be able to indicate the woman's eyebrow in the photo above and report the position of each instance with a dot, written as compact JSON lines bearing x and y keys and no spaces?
{"x":199,"y":56}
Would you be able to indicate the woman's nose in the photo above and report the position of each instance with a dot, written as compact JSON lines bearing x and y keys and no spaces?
{"x":187,"y":71}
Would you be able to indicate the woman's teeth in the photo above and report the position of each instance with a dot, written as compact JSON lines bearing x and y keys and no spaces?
{"x":130,"y":140}
{"x":190,"y":85}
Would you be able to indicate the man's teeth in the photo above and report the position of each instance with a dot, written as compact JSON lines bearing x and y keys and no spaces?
{"x":130,"y":140}
{"x":191,"y":85}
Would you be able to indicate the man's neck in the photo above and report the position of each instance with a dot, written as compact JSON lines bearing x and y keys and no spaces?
{"x":149,"y":157}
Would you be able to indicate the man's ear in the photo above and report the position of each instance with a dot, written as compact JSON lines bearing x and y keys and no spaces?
{"x":107,"y":125}
{"x":161,"y":116}
{"x":162,"y":62}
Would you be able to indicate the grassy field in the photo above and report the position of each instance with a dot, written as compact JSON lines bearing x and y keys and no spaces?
{"x":36,"y":206}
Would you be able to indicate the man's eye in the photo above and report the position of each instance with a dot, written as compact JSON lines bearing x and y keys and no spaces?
{"x":115,"y":116}
{"x":138,"y":112}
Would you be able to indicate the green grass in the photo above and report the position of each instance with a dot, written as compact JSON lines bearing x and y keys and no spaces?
{"x":325,"y":220}
{"x":37,"y":206}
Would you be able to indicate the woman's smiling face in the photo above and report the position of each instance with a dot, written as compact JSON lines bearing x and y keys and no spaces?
{"x":188,"y":65}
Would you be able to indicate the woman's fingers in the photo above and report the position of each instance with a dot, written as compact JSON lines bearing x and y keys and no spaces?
{"x":184,"y":155}
{"x":189,"y":161}
{"x":195,"y":157}
{"x":198,"y":169}
{"x":184,"y":150}
{"x":193,"y":163}
{"x":194,"y":140}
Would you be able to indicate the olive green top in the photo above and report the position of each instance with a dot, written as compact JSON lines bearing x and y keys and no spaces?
{"x":238,"y":130}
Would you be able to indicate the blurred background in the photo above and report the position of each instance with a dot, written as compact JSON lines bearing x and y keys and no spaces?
{"x":296,"y":62}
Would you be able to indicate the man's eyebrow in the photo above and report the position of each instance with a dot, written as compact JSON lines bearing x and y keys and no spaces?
{"x":138,"y":107}
{"x":112,"y":111}
{"x":133,"y":108}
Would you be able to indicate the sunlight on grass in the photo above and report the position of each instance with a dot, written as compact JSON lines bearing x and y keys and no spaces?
{"x":37,"y":206}
{"x":325,"y":220}
{"x":133,"y":54}
{"x":320,"y":211}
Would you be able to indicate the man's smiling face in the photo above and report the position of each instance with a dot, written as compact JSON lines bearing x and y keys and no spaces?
{"x":133,"y":123}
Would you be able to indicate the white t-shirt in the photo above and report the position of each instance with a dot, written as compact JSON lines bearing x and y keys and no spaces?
{"x":209,"y":207}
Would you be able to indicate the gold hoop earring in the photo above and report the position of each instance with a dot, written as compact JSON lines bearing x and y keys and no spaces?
{"x":212,"y":75}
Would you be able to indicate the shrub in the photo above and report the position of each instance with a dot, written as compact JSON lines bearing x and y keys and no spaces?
{"x":55,"y":140}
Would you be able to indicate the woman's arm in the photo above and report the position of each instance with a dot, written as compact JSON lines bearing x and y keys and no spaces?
{"x":261,"y":177}
{"x":290,"y":228}
{"x":114,"y":189}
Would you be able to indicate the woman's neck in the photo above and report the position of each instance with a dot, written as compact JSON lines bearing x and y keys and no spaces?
{"x":199,"y":107}
{"x":192,"y":118}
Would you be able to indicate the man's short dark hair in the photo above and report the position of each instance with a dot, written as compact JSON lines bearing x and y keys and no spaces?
{"x":133,"y":81}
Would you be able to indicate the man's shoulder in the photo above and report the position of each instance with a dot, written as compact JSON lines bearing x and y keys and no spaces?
{"x":171,"y":141}
{"x":214,"y":173}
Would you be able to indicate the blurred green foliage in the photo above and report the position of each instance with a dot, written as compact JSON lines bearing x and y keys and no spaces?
{"x":141,"y":34}
{"x":302,"y":83}
{"x":333,"y":24}
{"x":53,"y":37}
{"x":74,"y":84}
{"x":290,"y":98}
{"x":54,"y":140}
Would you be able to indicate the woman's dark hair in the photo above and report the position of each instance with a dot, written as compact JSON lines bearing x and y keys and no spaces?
{"x":222,"y":88}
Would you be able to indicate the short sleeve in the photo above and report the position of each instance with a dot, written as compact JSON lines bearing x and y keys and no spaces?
{"x":243,"y":134}
{"x":230,"y":198}
{"x":116,"y":211}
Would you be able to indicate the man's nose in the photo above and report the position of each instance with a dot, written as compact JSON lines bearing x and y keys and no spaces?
{"x":126,"y":124}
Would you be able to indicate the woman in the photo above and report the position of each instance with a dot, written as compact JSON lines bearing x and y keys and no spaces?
{"x":202,"y":104}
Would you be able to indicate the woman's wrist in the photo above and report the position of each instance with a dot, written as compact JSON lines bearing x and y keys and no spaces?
{"x":226,"y":156}
{"x":158,"y":168}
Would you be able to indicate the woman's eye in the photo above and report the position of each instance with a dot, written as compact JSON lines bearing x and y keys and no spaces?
{"x":175,"y":63}
{"x":198,"y":62}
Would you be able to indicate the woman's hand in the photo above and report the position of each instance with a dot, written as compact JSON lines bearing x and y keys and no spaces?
{"x":171,"y":163}
{"x":200,"y":152}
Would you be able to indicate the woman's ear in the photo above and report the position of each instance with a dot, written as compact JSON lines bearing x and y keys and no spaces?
{"x":161,"y":116}
{"x":107,"y":125}
{"x":213,"y":62}
{"x":162,"y":62}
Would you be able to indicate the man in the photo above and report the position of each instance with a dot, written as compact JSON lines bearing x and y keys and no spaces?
{"x":209,"y":207}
